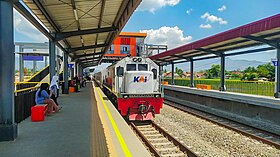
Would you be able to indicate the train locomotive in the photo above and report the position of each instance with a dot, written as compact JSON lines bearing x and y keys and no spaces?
{"x":134,"y":84}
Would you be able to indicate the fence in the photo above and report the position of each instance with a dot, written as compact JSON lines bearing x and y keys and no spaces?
{"x":247,"y":87}
{"x":24,"y":100}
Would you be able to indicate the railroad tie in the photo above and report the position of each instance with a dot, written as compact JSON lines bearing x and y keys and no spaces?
{"x":174,"y":155}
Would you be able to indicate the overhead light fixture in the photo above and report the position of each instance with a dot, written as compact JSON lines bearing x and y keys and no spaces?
{"x":76,"y":15}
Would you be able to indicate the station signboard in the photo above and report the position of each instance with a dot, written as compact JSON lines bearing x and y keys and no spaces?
{"x":71,"y":66}
{"x":274,"y":61}
{"x":33,"y":58}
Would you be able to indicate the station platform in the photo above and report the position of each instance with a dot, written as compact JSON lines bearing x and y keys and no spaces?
{"x":88,"y":125}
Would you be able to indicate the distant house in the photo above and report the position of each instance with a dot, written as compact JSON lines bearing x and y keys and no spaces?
{"x":169,"y":75}
{"x":236,"y":72}
{"x":200,"y":75}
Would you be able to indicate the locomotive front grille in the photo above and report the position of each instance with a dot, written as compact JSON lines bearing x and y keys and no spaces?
{"x":140,"y":95}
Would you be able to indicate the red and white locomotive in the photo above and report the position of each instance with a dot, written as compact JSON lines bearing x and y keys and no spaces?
{"x":134,"y":84}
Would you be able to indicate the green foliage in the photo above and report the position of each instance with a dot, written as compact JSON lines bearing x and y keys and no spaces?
{"x":250,"y":76}
{"x":250,"y":70}
{"x":164,"y":71}
{"x":179,"y":71}
{"x":214,"y":72}
{"x":266,"y":70}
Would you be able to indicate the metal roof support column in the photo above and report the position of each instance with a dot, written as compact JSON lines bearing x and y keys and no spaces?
{"x":46,"y":61}
{"x":52,"y":59}
{"x":277,"y":93}
{"x":81,"y":71}
{"x":65,"y":73}
{"x":76,"y":69}
{"x":21,"y":65}
{"x":34,"y":66}
{"x":8,"y":127}
{"x":191,"y":69}
{"x":172,"y":73}
{"x":222,"y":79}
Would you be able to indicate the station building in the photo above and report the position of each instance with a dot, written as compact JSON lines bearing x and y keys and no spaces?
{"x":126,"y":43}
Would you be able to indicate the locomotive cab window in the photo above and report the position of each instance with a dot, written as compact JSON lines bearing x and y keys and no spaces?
{"x":131,"y":67}
{"x":142,"y":67}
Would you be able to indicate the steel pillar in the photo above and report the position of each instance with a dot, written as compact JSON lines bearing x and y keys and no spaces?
{"x":172,"y":74}
{"x":191,"y":79}
{"x":76,"y":69}
{"x":65,"y":73}
{"x":46,"y":61}
{"x":21,"y":65}
{"x":277,"y":74}
{"x":8,"y":127}
{"x":34,"y":66}
{"x":222,"y":79}
{"x":52,"y":58}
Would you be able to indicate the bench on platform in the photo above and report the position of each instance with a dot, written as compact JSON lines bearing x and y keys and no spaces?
{"x":38,"y":113}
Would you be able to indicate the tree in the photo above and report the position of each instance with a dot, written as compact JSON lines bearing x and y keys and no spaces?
{"x":179,"y":71}
{"x":250,"y":70}
{"x":266,"y":70}
{"x":250,"y":76}
{"x":214,"y":72}
{"x":164,"y":71}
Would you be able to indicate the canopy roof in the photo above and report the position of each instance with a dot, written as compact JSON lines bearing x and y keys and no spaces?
{"x":84,"y":29}
{"x":265,"y":31}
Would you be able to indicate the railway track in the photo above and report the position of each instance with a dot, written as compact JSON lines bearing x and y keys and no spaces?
{"x":255,"y":133}
{"x":159,"y":142}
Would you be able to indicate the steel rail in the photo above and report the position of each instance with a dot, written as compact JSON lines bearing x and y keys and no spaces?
{"x":173,"y":140}
{"x":145,"y":140}
{"x":264,"y":140}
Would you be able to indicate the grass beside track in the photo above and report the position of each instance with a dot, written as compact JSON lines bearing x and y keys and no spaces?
{"x":247,"y":87}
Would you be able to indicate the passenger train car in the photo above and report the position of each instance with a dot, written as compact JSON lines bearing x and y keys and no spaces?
{"x":134,"y":84}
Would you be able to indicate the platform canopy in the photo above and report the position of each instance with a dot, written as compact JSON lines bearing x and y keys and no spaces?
{"x":84,"y":29}
{"x":265,"y":31}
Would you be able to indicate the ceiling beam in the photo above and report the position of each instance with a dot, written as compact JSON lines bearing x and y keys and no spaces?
{"x":23,"y":11}
{"x":74,"y":49}
{"x":64,"y":35}
{"x":262,"y":40}
{"x":86,"y":55}
{"x":49,"y":19}
{"x":217,"y":53}
{"x":87,"y":59}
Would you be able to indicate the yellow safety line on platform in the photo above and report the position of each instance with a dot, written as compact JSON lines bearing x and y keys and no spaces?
{"x":116,"y":129}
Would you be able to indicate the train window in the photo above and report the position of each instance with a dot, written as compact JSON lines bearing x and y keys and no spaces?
{"x":120,"y":71}
{"x":142,"y":67}
{"x":131,"y":67}
{"x":155,"y":73}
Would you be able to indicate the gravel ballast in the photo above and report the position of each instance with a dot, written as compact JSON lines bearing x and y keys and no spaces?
{"x":209,"y":140}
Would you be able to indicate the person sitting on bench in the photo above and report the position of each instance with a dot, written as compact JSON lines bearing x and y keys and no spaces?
{"x":42,"y":97}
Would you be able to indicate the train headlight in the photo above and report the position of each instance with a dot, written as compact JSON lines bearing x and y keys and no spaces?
{"x":125,"y":96}
{"x":157,"y":95}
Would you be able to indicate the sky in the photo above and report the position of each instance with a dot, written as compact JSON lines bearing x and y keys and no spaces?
{"x":178,"y":22}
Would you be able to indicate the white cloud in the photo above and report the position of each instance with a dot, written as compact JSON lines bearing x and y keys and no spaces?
{"x":207,"y":26}
{"x":25,"y":28}
{"x":189,"y":11}
{"x":213,"y":18}
{"x":223,"y":8}
{"x":170,"y":36}
{"x":153,"y":5}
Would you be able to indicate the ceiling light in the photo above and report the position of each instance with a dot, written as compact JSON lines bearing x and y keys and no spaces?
{"x":76,"y":15}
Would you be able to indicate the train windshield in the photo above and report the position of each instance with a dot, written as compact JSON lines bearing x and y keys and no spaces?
{"x":142,"y":67}
{"x":131,"y":67}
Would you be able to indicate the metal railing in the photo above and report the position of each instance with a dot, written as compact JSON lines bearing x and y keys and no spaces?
{"x":24,"y":100}
{"x":246,"y":87}
{"x":40,"y":75}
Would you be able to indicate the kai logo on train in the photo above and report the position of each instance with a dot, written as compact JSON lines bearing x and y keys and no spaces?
{"x":140,"y":79}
